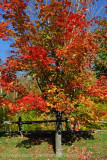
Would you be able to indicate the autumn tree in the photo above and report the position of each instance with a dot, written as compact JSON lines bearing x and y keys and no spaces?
{"x":58,"y":49}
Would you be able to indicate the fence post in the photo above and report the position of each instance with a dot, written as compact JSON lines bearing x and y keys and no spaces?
{"x":20,"y":126}
{"x":58,"y":135}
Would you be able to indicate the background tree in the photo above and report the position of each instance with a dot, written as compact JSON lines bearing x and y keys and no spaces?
{"x":100,"y":64}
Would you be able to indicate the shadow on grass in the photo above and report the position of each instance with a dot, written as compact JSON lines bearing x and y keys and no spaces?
{"x":37,"y":137}
{"x":67,"y":138}
{"x":9,"y":134}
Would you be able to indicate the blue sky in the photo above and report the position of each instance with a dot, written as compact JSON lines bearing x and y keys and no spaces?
{"x":4,"y":49}
{"x":5,"y":45}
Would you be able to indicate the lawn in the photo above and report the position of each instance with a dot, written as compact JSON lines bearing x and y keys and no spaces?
{"x":41,"y":146}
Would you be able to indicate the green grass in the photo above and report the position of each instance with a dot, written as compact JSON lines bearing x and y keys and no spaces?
{"x":40,"y":147}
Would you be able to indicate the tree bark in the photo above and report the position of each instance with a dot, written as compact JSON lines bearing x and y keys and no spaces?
{"x":58,"y":135}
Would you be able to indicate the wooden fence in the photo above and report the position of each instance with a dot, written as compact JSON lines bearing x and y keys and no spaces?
{"x":20,"y":123}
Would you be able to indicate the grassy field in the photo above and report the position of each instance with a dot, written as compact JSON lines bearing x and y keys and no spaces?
{"x":41,"y":146}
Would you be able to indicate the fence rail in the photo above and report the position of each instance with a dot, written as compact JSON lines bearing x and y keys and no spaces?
{"x":29,"y":122}
{"x":101,"y":121}
{"x":20,"y":123}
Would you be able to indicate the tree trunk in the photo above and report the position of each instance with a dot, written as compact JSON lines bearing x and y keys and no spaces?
{"x":58,"y":136}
